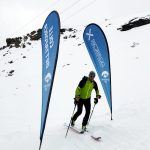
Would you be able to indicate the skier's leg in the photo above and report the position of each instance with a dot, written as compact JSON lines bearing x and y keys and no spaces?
{"x":87,"y":105}
{"x":79,"y":110}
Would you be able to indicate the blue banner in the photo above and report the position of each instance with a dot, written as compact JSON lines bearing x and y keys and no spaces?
{"x":50,"y":47}
{"x":98,"y":49}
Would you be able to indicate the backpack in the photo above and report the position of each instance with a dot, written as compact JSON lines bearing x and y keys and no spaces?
{"x":83,"y":81}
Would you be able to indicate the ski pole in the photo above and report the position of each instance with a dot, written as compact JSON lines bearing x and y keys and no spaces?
{"x":70,"y":121}
{"x":91,"y":113}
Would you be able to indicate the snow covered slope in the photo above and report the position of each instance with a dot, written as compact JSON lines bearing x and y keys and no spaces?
{"x":20,"y":96}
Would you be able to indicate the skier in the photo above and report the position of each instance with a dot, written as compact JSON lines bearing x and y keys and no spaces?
{"x":83,"y":97}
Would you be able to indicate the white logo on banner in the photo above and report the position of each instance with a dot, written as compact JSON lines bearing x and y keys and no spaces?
{"x":89,"y":34}
{"x":105,"y":75}
{"x":48,"y":77}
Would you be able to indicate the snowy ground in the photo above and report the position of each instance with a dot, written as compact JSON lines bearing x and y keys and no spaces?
{"x":20,"y":97}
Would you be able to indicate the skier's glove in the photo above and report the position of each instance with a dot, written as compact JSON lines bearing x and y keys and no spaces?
{"x":95,"y":100}
{"x":76,"y":100}
{"x":98,"y":96}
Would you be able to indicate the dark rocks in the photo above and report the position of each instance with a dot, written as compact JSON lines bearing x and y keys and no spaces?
{"x":10,"y":62}
{"x":23,"y":45}
{"x":20,"y":42}
{"x":1,"y":48}
{"x":65,"y":29}
{"x":62,"y":31}
{"x":136,"y":22}
{"x":14,"y":41}
{"x":11,"y":72}
{"x":71,"y":33}
{"x":35,"y":35}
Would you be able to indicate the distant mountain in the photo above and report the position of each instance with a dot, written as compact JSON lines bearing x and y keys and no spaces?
{"x":22,"y":41}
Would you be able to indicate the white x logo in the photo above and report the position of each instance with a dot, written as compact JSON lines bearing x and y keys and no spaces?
{"x":89,"y":34}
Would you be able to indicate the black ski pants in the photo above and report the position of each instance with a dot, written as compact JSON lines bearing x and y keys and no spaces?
{"x":87,"y":105}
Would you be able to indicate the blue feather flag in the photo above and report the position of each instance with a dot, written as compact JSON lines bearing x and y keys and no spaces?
{"x":50,"y":48}
{"x":97,"y":46}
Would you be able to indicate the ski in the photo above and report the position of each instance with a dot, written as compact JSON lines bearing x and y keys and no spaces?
{"x":96,"y":138}
{"x":75,"y":130}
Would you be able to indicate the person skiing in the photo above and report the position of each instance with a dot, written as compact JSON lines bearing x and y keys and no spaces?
{"x":83,"y":97}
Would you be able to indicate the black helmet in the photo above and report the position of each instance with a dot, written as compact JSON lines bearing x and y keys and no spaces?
{"x":92,"y":73}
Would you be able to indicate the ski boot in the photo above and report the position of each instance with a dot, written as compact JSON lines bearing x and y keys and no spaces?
{"x":72,"y":122}
{"x":84,"y":129}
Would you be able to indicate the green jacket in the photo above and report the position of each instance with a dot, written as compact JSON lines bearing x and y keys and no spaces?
{"x":85,"y":88}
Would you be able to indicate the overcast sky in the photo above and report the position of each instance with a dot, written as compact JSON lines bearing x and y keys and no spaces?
{"x":18,"y":17}
{"x":15,"y":15}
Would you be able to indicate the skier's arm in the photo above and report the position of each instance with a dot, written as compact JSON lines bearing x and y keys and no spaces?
{"x":81,"y":84}
{"x":77,"y":93}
